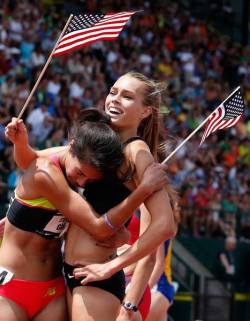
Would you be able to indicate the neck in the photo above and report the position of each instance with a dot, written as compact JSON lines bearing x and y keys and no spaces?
{"x":125,"y":134}
{"x":62,"y":155}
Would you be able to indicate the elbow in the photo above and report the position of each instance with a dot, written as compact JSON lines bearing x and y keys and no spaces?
{"x":168,"y":230}
{"x":171,"y":231}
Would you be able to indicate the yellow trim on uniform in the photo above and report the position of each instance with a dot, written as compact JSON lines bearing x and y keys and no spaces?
{"x":38,"y":202}
{"x":168,"y":263}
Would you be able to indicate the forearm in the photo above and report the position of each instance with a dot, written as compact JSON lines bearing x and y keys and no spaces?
{"x":158,"y":267}
{"x":155,"y":276}
{"x":224,"y":261}
{"x":140,"y":279}
{"x":24,"y":155}
{"x":146,"y":244}
{"x":162,"y":227}
{"x":121,"y":213}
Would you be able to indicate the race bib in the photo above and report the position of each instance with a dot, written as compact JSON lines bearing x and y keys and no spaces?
{"x":57,"y":225}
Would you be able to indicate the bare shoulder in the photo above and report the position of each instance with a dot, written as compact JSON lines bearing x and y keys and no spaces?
{"x":42,"y":178}
{"x":138,"y":152}
{"x":43,"y":173}
{"x":49,"y":151}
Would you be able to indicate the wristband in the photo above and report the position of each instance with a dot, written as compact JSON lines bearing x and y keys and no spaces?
{"x":108,"y":222}
{"x":129,"y":306}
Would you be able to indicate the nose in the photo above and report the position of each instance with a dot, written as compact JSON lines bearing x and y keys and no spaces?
{"x":116,"y":97}
{"x":81,"y":182}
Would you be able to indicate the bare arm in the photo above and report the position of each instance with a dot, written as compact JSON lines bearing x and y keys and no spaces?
{"x":225,"y":263}
{"x":159,"y":266}
{"x":162,"y":224}
{"x":50,"y":183}
{"x":143,"y":268}
{"x":2,"y":224}
{"x":162,"y":227}
{"x":24,"y":154}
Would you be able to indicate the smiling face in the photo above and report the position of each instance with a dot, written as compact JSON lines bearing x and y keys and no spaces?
{"x":124,"y":104}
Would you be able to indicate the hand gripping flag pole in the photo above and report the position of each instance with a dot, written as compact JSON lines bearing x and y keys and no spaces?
{"x":226,"y":115}
{"x":44,"y":69}
{"x":82,"y":30}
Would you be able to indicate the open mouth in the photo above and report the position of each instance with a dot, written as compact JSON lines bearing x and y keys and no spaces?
{"x":114,"y":111}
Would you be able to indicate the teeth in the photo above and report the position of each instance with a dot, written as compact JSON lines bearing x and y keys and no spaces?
{"x":114,"y":110}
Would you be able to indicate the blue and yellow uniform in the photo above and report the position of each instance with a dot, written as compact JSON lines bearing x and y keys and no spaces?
{"x":165,"y":283}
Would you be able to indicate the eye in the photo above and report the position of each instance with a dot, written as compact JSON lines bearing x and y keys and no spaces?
{"x":128,"y":97}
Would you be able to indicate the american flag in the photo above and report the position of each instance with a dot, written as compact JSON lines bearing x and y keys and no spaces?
{"x":85,"y":29}
{"x":227,"y":114}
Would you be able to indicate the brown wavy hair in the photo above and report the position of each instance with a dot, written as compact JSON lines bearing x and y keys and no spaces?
{"x":151,"y":128}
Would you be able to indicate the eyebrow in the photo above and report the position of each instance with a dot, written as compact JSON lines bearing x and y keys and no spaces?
{"x":125,"y":90}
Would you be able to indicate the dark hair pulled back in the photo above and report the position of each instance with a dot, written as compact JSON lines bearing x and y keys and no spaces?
{"x":95,"y":143}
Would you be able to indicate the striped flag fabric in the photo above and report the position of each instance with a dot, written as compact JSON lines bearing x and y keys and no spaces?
{"x":85,"y":29}
{"x":226,"y":115}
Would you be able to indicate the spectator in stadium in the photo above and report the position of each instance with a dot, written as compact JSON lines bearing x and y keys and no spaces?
{"x":227,"y":261}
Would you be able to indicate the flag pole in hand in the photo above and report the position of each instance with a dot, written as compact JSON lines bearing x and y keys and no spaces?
{"x":226,"y":115}
{"x":44,"y":69}
{"x":82,"y":30}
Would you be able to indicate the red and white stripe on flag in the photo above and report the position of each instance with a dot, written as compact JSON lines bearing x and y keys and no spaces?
{"x":87,"y":28}
{"x":226,"y":115}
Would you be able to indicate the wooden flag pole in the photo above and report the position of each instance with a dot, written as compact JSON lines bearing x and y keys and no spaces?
{"x":184,"y":142}
{"x":196,"y":129}
{"x":44,"y":69}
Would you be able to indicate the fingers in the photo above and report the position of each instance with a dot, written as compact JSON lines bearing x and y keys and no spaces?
{"x":79,"y":273}
{"x":86,"y":280}
{"x":82,"y":273}
{"x":13,"y":128}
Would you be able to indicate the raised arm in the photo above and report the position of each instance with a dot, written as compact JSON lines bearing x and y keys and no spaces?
{"x":24,"y":154}
{"x":17,"y":133}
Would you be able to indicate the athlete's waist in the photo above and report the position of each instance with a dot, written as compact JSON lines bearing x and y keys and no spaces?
{"x":86,"y":249}
{"x":29,"y":256}
{"x":32,"y":271}
{"x":86,"y":260}
{"x":27,"y":241}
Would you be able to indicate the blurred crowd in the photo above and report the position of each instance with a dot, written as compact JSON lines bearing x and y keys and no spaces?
{"x":199,"y":65}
